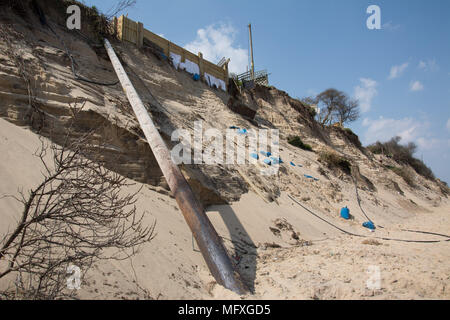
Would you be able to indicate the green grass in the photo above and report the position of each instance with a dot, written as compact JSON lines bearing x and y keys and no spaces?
{"x":297,"y":142}
{"x":348,"y":130}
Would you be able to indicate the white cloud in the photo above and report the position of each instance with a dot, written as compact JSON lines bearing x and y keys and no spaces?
{"x":216,"y":42}
{"x":416,"y":86}
{"x":365,"y":92}
{"x":409,"y":129}
{"x":384,"y":129}
{"x":429,"y":65}
{"x":432,"y":147}
{"x":428,"y":143}
{"x":396,"y":71}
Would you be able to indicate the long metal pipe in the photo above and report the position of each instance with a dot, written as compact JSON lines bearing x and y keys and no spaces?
{"x":251,"y":50}
{"x":209,"y":242}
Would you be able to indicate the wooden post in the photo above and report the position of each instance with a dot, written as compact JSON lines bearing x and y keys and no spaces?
{"x":121,"y":27}
{"x":227,"y":75}
{"x":140,"y":34}
{"x":114,"y":27}
{"x":209,"y":242}
{"x":201,"y":66}
{"x":125,"y":29}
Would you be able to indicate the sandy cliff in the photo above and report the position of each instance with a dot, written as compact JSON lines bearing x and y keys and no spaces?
{"x":281,"y":249}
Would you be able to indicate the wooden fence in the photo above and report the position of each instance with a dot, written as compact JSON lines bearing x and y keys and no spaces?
{"x":134,"y":32}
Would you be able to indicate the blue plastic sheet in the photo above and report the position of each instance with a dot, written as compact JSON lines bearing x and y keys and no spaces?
{"x":276,"y":160}
{"x":254,"y":156}
{"x":345,"y":213}
{"x":369,"y":225}
{"x":310,"y":177}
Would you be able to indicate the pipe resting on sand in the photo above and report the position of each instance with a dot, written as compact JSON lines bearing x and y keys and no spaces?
{"x":208,"y":240}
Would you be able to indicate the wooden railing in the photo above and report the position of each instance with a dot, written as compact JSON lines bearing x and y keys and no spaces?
{"x":134,"y":32}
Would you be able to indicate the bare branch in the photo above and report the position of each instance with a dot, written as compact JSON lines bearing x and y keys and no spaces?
{"x":119,"y":7}
{"x":78,"y":212}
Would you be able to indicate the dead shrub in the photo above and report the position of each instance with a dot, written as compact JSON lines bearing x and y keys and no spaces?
{"x":333,"y":160}
{"x":406,"y":174}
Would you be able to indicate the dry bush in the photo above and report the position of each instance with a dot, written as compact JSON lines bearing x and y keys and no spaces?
{"x":333,"y":160}
{"x":403,"y":154}
{"x":297,"y":142}
{"x":406,"y":174}
{"x":78,"y":215}
{"x":119,"y":7}
{"x":18,"y":6}
{"x":352,"y":137}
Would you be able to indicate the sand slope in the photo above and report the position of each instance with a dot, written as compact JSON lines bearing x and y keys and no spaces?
{"x":281,"y":250}
{"x":332,"y":266}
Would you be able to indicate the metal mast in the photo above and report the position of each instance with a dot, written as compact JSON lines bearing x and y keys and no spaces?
{"x":252,"y":71}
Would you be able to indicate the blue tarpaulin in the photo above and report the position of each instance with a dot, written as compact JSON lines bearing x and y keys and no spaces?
{"x":254,"y":156}
{"x":345,"y":213}
{"x":310,"y":177}
{"x":369,"y":225}
{"x":276,"y":160}
{"x":268,"y":161}
{"x":265,"y":153}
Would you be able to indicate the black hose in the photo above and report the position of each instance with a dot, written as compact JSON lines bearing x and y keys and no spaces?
{"x":404,"y":230}
{"x":143,"y":84}
{"x":358,"y":199}
{"x":44,"y":22}
{"x":426,"y":232}
{"x":381,"y":238}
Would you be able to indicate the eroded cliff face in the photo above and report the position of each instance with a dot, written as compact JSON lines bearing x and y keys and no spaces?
{"x":263,"y":229}
{"x":39,"y":91}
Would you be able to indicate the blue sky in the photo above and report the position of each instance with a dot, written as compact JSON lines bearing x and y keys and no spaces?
{"x":400,"y":74}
